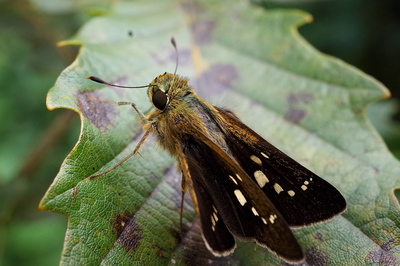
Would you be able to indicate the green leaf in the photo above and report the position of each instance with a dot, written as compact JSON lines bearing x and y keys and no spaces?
{"x":242,"y":57}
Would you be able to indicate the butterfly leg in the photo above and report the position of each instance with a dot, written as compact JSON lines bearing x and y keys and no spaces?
{"x":140,"y":113}
{"x":136,"y":150}
{"x":183,"y":167}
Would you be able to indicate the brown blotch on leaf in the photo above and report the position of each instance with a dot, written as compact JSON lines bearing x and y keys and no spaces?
{"x":315,"y":256}
{"x":100,"y":114}
{"x":120,"y":222}
{"x":130,"y":236}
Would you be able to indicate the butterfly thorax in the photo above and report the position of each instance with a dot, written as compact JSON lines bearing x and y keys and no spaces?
{"x":185,"y":114}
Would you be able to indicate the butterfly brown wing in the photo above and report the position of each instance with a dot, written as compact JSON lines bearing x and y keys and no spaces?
{"x":230,"y":203}
{"x":302,"y":197}
{"x":220,"y":241}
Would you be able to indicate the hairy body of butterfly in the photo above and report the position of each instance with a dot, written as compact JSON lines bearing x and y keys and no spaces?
{"x":241,"y":185}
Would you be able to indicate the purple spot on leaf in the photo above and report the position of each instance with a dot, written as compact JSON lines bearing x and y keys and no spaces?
{"x":216,"y":79}
{"x":295,"y":101}
{"x":202,"y":31}
{"x":295,"y":115}
{"x":99,"y":114}
{"x":384,"y":256}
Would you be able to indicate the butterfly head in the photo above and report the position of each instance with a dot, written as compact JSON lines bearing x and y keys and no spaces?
{"x":167,"y":87}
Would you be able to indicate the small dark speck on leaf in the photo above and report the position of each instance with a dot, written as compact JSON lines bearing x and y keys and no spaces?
{"x":319,"y":237}
{"x":377,"y":170}
{"x":74,"y":191}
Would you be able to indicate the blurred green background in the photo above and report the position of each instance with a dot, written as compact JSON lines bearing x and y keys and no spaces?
{"x":34,"y":141}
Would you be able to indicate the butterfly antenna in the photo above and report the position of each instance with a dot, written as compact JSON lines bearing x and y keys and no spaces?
{"x":99,"y":80}
{"x":176,"y":53}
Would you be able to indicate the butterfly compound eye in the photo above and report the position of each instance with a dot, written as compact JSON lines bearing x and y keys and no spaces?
{"x":159,"y":99}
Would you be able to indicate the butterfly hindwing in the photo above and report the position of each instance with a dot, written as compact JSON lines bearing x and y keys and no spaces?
{"x":229,"y":202}
{"x":217,"y":237}
{"x":302,"y":197}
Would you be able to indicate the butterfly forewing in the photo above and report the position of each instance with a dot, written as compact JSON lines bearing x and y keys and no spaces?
{"x":229,"y":200}
{"x":302,"y":197}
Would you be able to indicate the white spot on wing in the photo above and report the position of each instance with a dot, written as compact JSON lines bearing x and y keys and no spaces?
{"x":254,"y":211}
{"x":303,"y":187}
{"x":272,"y":218}
{"x":233,"y":179}
{"x":291,"y":193}
{"x":256,"y":159}
{"x":260,"y":178}
{"x":238,"y":177}
{"x":215,"y":217}
{"x":278,"y":188}
{"x":215,"y":209}
{"x":263,"y":154}
{"x":239,"y":195}
{"x":213,"y":221}
{"x":264,"y":221}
